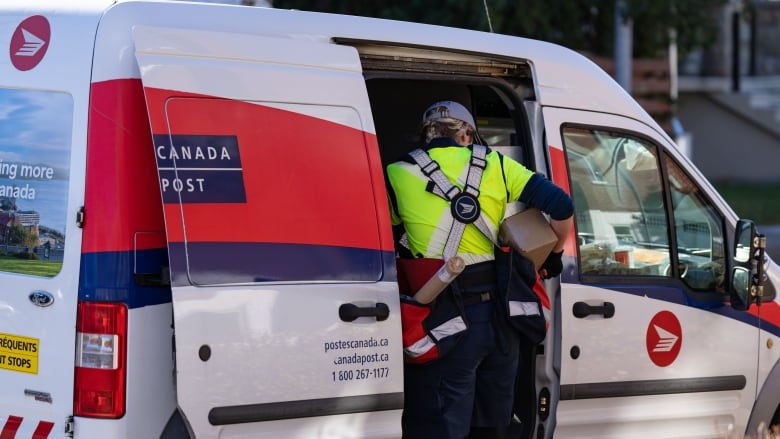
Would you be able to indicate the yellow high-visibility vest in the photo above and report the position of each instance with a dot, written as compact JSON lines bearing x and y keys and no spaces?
{"x":426,"y":217}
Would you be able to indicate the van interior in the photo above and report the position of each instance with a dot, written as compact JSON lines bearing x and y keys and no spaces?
{"x":403,"y":82}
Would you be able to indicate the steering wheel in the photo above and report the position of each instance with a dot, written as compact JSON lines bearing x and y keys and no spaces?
{"x":682,"y":266}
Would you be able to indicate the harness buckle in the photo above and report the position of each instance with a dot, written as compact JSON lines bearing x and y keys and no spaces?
{"x":430,"y":168}
{"x":452,"y":193}
{"x":478,"y":162}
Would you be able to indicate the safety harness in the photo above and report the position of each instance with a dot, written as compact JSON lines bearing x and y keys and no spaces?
{"x":429,"y":340}
{"x":423,"y":344}
{"x":464,"y":204}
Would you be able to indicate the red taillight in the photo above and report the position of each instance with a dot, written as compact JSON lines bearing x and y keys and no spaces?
{"x":101,"y":341}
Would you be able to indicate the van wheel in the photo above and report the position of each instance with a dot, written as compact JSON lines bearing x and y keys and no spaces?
{"x":175,"y":428}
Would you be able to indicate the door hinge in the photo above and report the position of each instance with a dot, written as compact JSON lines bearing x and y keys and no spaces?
{"x":80,"y":217}
{"x":70,"y":427}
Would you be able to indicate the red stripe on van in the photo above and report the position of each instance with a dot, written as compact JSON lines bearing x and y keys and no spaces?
{"x":11,"y":425}
{"x":330,"y":175}
{"x":560,"y":176}
{"x":43,"y":430}
{"x":770,"y":312}
{"x":122,"y":188}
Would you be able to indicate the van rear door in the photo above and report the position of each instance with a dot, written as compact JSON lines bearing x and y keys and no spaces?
{"x":284,"y":293}
{"x":44,"y":96}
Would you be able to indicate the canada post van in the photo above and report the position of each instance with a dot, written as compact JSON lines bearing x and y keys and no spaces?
{"x":195,"y":239}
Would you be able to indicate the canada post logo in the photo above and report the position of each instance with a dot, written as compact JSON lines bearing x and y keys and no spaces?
{"x":664,"y":338}
{"x":199,"y":169}
{"x":465,"y":208}
{"x":29,"y":42}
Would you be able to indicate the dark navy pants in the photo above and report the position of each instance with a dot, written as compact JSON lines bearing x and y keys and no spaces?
{"x":472,"y":386}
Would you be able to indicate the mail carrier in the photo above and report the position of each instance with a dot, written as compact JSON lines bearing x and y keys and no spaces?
{"x":195,"y":239}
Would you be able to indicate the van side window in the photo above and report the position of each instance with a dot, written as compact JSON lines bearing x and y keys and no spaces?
{"x":699,"y":232}
{"x":35,"y":143}
{"x":622,"y":216}
{"x":618,"y":196}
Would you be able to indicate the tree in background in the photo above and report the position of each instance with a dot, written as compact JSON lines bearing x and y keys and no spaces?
{"x":582,"y":25}
{"x":30,"y":241}
{"x":17,"y":234}
{"x":7,"y":203}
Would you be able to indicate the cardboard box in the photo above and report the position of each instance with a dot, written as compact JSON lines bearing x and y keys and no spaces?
{"x":530,"y":234}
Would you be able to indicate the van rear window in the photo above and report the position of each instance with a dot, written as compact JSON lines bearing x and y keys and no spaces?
{"x":35,"y":144}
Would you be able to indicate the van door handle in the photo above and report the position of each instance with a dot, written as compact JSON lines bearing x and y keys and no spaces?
{"x":349,"y":312}
{"x":582,"y":310}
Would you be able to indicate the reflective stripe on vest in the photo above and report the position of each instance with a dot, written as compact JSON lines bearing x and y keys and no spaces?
{"x":517,"y":308}
{"x":446,"y":329}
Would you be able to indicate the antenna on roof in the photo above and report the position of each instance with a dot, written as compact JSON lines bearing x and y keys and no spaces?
{"x":487,"y":14}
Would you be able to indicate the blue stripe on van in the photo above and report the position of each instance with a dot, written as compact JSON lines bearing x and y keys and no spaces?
{"x":770,"y":327}
{"x":211,"y":263}
{"x":110,"y":277}
{"x":114,"y":276}
{"x":678,"y":296}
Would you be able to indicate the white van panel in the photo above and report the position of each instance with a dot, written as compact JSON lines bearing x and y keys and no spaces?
{"x":41,"y":400}
{"x":705,"y":335}
{"x":259,"y":340}
{"x":713,"y":348}
{"x":685,"y":416}
{"x":377,"y":425}
{"x":286,"y":352}
{"x":268,"y":58}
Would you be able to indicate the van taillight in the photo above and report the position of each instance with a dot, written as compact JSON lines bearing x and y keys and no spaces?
{"x":101,"y":341}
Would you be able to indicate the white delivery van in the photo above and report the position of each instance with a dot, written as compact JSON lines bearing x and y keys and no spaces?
{"x":195,"y":238}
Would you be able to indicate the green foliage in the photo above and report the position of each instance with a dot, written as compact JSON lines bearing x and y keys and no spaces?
{"x":694,"y":20}
{"x":29,"y":255}
{"x":583,"y":25}
{"x":759,"y":202}
{"x":30,"y":241}
{"x":16,"y":234}
{"x":28,"y":266}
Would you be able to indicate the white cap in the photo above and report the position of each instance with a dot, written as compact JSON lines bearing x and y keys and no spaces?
{"x":448,"y":110}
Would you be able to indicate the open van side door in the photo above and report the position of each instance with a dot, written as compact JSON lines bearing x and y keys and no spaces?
{"x":649,"y":345}
{"x":281,"y":256}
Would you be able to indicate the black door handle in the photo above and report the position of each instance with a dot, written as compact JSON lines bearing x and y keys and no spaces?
{"x":582,"y":310}
{"x":348,"y":312}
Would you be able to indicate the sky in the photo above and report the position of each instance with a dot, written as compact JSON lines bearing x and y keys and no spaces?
{"x":35,"y":127}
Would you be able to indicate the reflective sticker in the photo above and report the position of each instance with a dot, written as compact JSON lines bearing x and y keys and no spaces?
{"x":664,"y":338}
{"x":9,"y":429}
{"x":19,"y":353}
{"x":12,"y":425}
{"x":42,"y":430}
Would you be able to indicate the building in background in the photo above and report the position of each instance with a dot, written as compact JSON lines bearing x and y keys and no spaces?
{"x":729,"y":95}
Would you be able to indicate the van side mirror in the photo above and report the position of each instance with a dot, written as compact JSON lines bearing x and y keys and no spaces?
{"x":747,"y":275}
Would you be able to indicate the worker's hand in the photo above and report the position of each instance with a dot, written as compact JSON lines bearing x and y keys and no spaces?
{"x":553,"y":265}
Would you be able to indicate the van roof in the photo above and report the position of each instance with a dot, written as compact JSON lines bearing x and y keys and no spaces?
{"x":563,"y":77}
